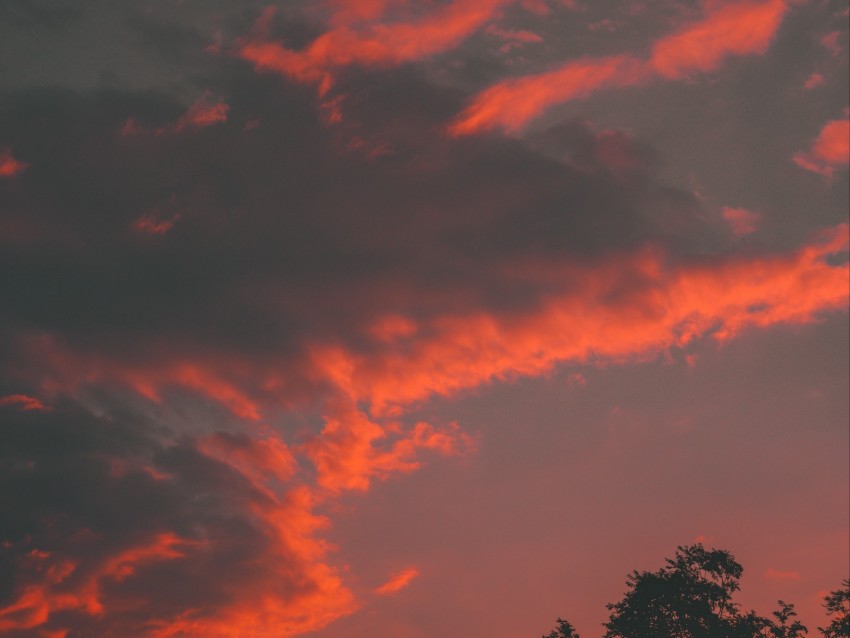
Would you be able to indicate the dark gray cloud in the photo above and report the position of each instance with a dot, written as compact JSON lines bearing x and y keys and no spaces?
{"x":96,"y":492}
{"x":295,"y":226}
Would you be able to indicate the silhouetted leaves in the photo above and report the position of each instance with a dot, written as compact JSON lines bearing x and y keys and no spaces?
{"x":837,"y":605}
{"x":785,"y":629}
{"x":691,"y":597}
{"x":563,"y":630}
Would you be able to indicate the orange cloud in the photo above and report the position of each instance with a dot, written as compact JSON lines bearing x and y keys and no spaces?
{"x":620,"y":307}
{"x":628,"y":306}
{"x":737,"y":28}
{"x":291,"y":590}
{"x":829,"y":150}
{"x":512,"y":103}
{"x":374,"y":44}
{"x":36,"y":603}
{"x":202,"y":113}
{"x":352,"y":449}
{"x":9,"y":166}
{"x":397,"y":582}
{"x":734,"y":29}
{"x":741,"y":221}
{"x":268,"y":605}
{"x":24,"y":402}
{"x":624,"y":306}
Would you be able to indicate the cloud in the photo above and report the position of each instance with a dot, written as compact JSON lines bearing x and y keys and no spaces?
{"x":739,"y":28}
{"x":397,"y":582}
{"x":375,"y":44}
{"x":23,"y":401}
{"x":830,"y":149}
{"x":743,"y":28}
{"x":510,"y":104}
{"x":9,"y":166}
{"x":202,"y":113}
{"x":348,"y":453}
{"x":514,"y":35}
{"x":648,"y":301}
{"x":38,"y":602}
{"x":664,"y":306}
{"x":813,"y":81}
{"x":153,"y":225}
{"x":741,"y":221}
{"x":220,"y":542}
{"x":217,"y":390}
{"x":830,"y":42}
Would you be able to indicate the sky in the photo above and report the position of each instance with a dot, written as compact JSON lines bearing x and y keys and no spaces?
{"x":416,"y":318}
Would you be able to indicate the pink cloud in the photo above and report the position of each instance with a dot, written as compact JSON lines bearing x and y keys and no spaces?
{"x":813,"y":81}
{"x":830,"y":42}
{"x":741,"y":221}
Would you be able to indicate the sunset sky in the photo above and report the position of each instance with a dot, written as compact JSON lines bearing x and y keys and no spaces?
{"x":416,"y":318}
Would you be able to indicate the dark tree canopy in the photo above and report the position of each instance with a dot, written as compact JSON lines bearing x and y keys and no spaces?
{"x":563,"y":630}
{"x":837,"y":605}
{"x":788,"y":627}
{"x":692,"y":597}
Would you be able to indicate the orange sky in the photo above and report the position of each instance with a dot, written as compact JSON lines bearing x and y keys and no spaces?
{"x":394,"y":318}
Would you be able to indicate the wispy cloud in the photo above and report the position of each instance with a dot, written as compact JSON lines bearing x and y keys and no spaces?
{"x":737,"y":29}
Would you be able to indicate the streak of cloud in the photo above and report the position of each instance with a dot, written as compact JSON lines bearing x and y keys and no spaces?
{"x":744,"y":28}
{"x":830,"y":150}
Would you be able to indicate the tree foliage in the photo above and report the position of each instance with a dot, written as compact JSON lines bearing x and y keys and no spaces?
{"x":563,"y":630}
{"x":837,"y":605}
{"x":787,"y":627}
{"x":692,"y":597}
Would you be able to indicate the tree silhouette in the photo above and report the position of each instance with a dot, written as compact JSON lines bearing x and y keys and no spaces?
{"x":784,"y":629}
{"x":837,"y":605}
{"x":563,"y":630}
{"x":691,"y":597}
